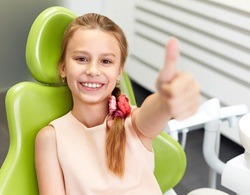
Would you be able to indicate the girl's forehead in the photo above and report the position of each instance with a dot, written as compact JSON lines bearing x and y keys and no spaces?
{"x":94,"y":40}
{"x":94,"y":34}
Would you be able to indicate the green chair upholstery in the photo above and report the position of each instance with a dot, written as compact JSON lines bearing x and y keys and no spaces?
{"x":170,"y":161}
{"x":32,"y":105}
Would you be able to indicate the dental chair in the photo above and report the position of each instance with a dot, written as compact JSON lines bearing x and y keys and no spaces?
{"x":31,"y":105}
{"x":236,"y":172}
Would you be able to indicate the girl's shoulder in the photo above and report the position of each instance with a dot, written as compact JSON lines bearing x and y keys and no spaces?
{"x":46,"y":136}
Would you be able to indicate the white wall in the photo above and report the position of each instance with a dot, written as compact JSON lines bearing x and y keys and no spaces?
{"x":84,"y":6}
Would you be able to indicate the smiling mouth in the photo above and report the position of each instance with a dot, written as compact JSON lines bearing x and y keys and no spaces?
{"x":92,"y":85}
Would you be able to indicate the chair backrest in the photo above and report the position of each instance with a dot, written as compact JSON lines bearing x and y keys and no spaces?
{"x":32,"y":105}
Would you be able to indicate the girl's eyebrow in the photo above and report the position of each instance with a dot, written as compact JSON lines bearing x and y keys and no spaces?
{"x":80,"y":51}
{"x":85,"y":52}
{"x":109,"y":54}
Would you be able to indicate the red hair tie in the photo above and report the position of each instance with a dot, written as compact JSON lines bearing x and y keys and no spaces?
{"x":119,"y":107}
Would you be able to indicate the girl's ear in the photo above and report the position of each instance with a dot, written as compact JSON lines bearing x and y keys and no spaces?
{"x":120,"y":72}
{"x":62,"y":70}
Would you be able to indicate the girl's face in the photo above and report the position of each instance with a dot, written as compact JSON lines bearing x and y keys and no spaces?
{"x":92,"y":65}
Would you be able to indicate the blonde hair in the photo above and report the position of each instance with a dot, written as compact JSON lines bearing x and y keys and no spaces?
{"x":116,"y":137}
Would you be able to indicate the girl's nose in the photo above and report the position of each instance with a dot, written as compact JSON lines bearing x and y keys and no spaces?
{"x":93,"y":70}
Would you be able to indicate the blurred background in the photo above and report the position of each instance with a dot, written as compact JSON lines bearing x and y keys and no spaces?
{"x":215,"y":47}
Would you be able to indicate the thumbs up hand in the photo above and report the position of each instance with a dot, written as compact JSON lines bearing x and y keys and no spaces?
{"x":178,"y":90}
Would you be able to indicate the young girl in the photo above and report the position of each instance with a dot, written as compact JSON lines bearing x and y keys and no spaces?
{"x":103,"y":145}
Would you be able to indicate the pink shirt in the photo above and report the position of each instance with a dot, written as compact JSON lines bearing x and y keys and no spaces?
{"x":81,"y":154}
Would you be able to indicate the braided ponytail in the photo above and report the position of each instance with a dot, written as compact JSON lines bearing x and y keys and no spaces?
{"x":115,"y":143}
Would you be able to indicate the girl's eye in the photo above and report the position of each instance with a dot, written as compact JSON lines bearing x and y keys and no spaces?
{"x":105,"y":61}
{"x":81,"y":59}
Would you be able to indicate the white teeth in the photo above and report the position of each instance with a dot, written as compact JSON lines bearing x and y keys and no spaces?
{"x":92,"y":85}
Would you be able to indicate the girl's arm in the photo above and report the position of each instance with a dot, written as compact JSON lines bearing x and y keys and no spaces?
{"x":177,"y":97}
{"x":49,"y":174}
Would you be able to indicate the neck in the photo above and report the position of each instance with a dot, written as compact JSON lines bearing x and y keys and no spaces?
{"x":91,"y":115}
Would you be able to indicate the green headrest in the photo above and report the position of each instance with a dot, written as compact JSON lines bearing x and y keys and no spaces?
{"x":44,"y":44}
